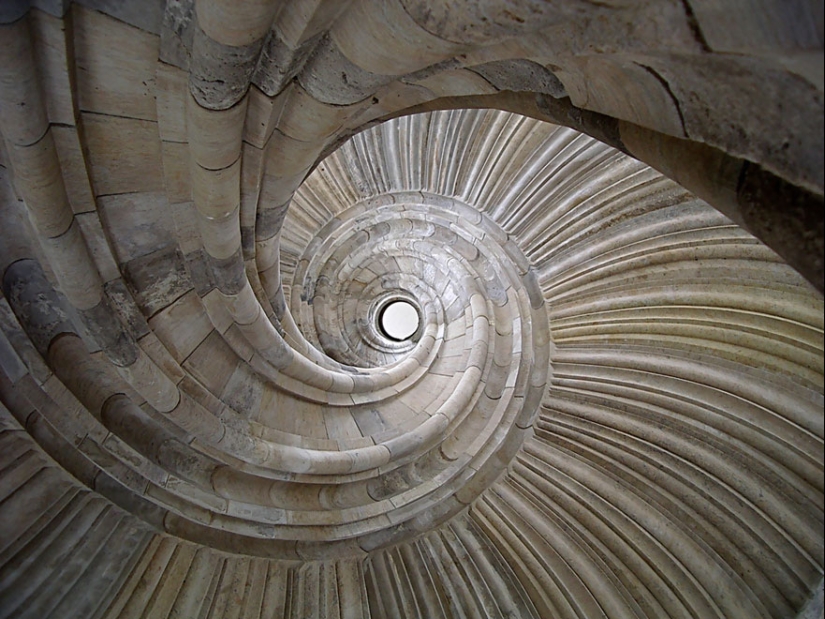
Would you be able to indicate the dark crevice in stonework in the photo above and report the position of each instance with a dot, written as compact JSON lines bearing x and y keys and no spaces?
{"x":693,"y":24}
{"x":672,"y":96}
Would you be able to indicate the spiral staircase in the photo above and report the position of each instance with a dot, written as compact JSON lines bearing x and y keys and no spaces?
{"x":606,"y":218}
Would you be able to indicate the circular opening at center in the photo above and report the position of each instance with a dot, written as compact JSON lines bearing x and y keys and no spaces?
{"x":398,"y":320}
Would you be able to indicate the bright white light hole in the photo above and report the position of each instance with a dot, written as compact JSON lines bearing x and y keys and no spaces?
{"x":399,"y":320}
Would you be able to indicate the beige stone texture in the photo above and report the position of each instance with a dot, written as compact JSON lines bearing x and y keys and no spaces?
{"x":172,"y":97}
{"x":114,"y":169}
{"x":234,"y":24}
{"x":215,"y":137}
{"x":53,"y":45}
{"x":73,"y":167}
{"x":116,"y":66}
{"x":39,"y":181}
{"x":606,"y":217}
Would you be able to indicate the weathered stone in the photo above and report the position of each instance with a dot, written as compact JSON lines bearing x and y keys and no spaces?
{"x":330,"y":77}
{"x":477,"y":22}
{"x":521,"y":76}
{"x":177,"y":33}
{"x":279,"y":63}
{"x":794,"y":226}
{"x":603,"y":128}
{"x":10,"y":362}
{"x":647,"y":99}
{"x":269,"y":220}
{"x":116,"y":63}
{"x":124,"y":304}
{"x":779,"y":130}
{"x":221,"y":403}
{"x":157,"y":278}
{"x":228,"y":273}
{"x":219,"y":74}
{"x":108,"y":334}
{"x":38,"y":307}
{"x":139,"y":223}
{"x":199,"y":272}
{"x":772,"y":26}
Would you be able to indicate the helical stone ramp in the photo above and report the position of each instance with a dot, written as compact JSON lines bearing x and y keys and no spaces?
{"x":400,"y":435}
{"x":609,"y":400}
{"x":304,"y":453}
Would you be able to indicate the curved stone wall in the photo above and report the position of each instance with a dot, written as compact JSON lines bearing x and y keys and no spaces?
{"x":612,"y":404}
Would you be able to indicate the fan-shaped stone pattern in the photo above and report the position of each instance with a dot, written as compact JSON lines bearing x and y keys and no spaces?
{"x":147,"y":346}
{"x":687,"y":372}
{"x":48,"y":518}
{"x":229,"y":429}
{"x":112,"y":568}
{"x":436,"y":252}
{"x":419,"y":578}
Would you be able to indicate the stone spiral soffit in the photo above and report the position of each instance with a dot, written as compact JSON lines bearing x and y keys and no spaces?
{"x":611,"y":404}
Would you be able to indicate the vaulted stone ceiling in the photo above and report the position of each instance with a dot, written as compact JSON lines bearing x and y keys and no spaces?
{"x":612,"y":401}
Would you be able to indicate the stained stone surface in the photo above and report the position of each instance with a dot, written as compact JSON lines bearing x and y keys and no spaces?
{"x":606,"y":216}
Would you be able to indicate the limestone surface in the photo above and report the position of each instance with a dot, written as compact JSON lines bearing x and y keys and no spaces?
{"x":607,"y":219}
